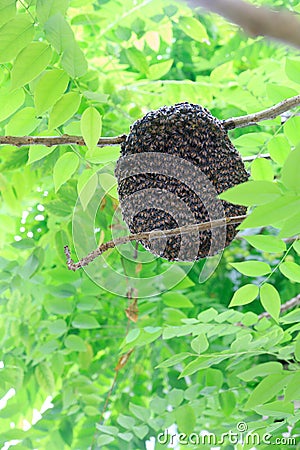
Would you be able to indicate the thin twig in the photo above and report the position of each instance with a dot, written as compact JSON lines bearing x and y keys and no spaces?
{"x":253,"y":157}
{"x":65,"y":139}
{"x":280,"y":25}
{"x":156,"y":234}
{"x":269,"y":113}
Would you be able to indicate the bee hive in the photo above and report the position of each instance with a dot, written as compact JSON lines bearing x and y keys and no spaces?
{"x":173,"y":164}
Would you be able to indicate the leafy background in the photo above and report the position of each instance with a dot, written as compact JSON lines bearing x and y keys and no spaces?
{"x":91,"y":67}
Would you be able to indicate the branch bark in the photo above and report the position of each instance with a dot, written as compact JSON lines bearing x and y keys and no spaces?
{"x":147,"y":235}
{"x":281,"y":25}
{"x":65,"y":139}
{"x":266,"y":114}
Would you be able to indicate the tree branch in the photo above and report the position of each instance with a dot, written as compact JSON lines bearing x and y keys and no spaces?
{"x":156,"y":234}
{"x":65,"y":139}
{"x":228,"y":124}
{"x":256,"y":21}
{"x":269,"y":113}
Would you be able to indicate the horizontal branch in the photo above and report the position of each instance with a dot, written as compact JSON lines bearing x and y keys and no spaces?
{"x":280,"y":25}
{"x":65,"y":139}
{"x":156,"y":234}
{"x":228,"y":124}
{"x":269,"y":113}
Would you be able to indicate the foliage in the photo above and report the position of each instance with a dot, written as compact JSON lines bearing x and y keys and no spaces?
{"x":92,"y":68}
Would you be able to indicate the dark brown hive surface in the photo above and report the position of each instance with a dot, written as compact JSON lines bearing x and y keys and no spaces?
{"x":174,"y":163}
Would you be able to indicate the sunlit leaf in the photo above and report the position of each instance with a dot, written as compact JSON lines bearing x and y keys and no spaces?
{"x":270,"y":299}
{"x":244,"y":295}
{"x":64,"y":169}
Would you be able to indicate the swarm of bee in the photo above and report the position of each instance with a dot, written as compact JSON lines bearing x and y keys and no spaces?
{"x":173,"y":164}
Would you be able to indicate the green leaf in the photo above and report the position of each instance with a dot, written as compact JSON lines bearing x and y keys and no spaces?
{"x":64,"y":168}
{"x":208,"y":315}
{"x":273,"y":212}
{"x":85,"y":321}
{"x":175,"y":397}
{"x":59,"y":33}
{"x":175,"y":359}
{"x":73,"y":61}
{"x":278,"y":408}
{"x":202,"y":362}
{"x":126,"y":436}
{"x":103,"y":155}
{"x":200,"y":344}
{"x":193,"y":28}
{"x":157,"y":71}
{"x":175,"y":299}
{"x":45,"y":378}
{"x":270,"y":299}
{"x":261,"y":370}
{"x":291,"y":317}
{"x":7,"y":10}
{"x":107,"y":429}
{"x":292,"y":391}
{"x":252,"y":268}
{"x":227,"y":402}
{"x":292,"y":69}
{"x":140,"y":412}
{"x":252,"y":140}
{"x":268,"y":388}
{"x":86,"y":186}
{"x":57,"y":327}
{"x":75,"y":343}
{"x":126,"y":421}
{"x":140,"y":431}
{"x":37,"y":152}
{"x":10,"y":102}
{"x":291,"y":227}
{"x":222,"y":72}
{"x":270,"y":244}
{"x":104,"y":439}
{"x":137,"y":59}
{"x":15,"y":35}
{"x":251,"y":193}
{"x":64,"y":109}
{"x":66,"y":431}
{"x":291,"y":130}
{"x":29,"y":63}
{"x":261,"y":169}
{"x":109,"y":184}
{"x":296,"y":246}
{"x":290,"y":270}
{"x":290,"y":171}
{"x":244,"y":295}
{"x":91,"y":127}
{"x":297,"y":348}
{"x":277,"y":92}
{"x":58,"y":306}
{"x":49,"y":89}
{"x":279,"y":149}
{"x":22,"y":123}
{"x":48,"y":8}
{"x":185,"y":419}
